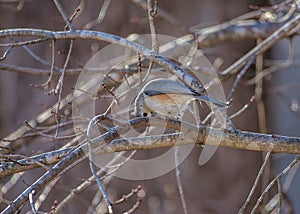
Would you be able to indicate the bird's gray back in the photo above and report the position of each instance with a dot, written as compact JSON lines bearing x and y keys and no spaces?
{"x":165,"y":86}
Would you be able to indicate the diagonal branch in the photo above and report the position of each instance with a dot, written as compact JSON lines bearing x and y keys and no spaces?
{"x":85,"y":34}
{"x":191,"y":135}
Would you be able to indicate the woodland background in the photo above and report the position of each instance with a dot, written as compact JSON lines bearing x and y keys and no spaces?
{"x":221,"y":185}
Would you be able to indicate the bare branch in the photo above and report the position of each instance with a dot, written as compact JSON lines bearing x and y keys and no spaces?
{"x":258,"y":177}
{"x":85,"y":34}
{"x":63,"y":14}
{"x":9,"y":168}
{"x":152,"y":11}
{"x":92,"y":123}
{"x":273,"y":182}
{"x":238,"y":77}
{"x":237,"y":140}
{"x":280,"y":33}
{"x":6,"y":53}
{"x":31,"y":201}
{"x":101,"y":16}
{"x":59,"y":86}
{"x":165,"y":15}
{"x":179,"y":181}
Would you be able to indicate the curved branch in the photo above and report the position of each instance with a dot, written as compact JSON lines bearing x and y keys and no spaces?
{"x":236,"y":140}
{"x":86,"y":34}
{"x":190,"y":135}
{"x":9,"y":168}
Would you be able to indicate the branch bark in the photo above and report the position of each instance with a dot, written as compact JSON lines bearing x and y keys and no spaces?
{"x":190,"y":135}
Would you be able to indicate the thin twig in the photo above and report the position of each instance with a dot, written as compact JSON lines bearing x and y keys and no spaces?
{"x":60,"y":83}
{"x":141,"y":194}
{"x":29,"y":42}
{"x":290,"y":178}
{"x":238,"y":77}
{"x":41,"y":160}
{"x":280,"y":33}
{"x":279,"y":196}
{"x":33,"y":134}
{"x":34,"y":56}
{"x":5,"y":201}
{"x":31,"y":201}
{"x":164,"y":14}
{"x":276,"y":67}
{"x":75,"y":14}
{"x":50,"y":136}
{"x":64,"y":14}
{"x":152,"y":11}
{"x":101,"y":15}
{"x":271,"y":184}
{"x":243,"y":108}
{"x":258,"y":177}
{"x":179,"y":180}
{"x":80,"y":188}
{"x":6,"y":53}
{"x":96,"y":201}
{"x":46,"y":191}
{"x":10,"y":183}
{"x":47,"y":83}
{"x":126,"y":197}
{"x":92,"y":123}
{"x":261,"y":110}
{"x":25,"y":160}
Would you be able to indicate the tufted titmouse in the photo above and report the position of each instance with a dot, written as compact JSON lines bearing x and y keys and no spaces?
{"x":168,"y":98}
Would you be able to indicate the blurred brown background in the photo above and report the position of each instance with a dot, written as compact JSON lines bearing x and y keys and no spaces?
{"x":220,"y":186}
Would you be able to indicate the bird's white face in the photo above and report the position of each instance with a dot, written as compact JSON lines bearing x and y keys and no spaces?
{"x":139,"y":107}
{"x":143,"y":112}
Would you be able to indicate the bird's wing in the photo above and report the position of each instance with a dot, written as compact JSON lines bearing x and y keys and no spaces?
{"x":168,"y":87}
{"x":165,"y":86}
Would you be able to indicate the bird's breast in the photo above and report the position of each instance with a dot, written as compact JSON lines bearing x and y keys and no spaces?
{"x":170,"y":105}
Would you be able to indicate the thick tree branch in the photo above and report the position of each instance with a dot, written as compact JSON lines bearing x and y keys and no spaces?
{"x":190,"y":135}
{"x":86,"y":34}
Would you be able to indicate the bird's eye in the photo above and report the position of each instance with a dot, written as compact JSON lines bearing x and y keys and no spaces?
{"x":145,"y":114}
